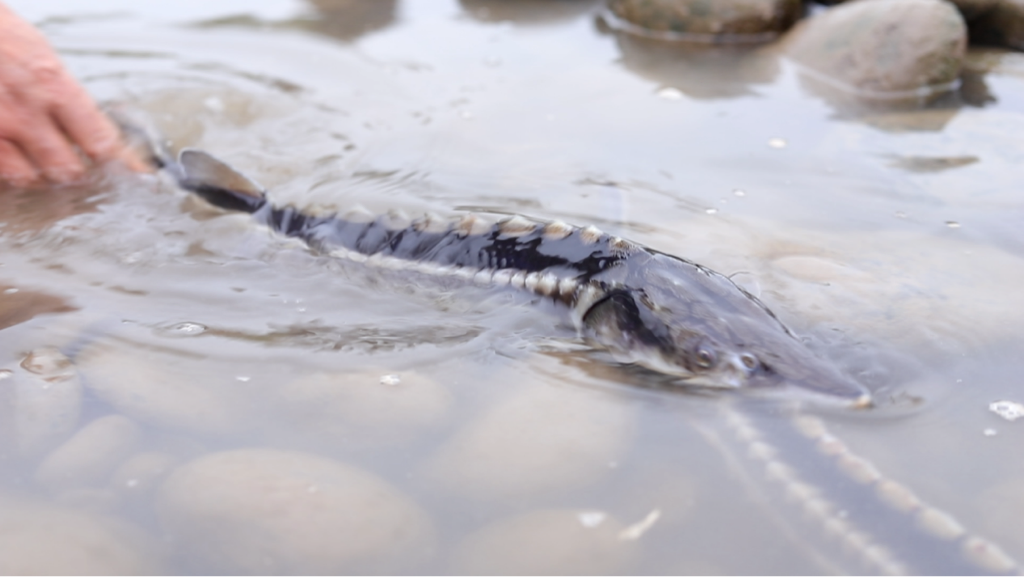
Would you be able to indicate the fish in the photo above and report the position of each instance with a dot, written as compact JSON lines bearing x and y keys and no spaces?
{"x":668,"y":315}
{"x":644,"y":307}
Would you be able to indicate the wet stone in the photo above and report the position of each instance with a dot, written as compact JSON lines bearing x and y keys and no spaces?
{"x":91,"y":454}
{"x":40,"y":402}
{"x":559,"y":542}
{"x":368,"y":408}
{"x":1002,"y":25}
{"x":140,"y":474}
{"x":969,"y":9}
{"x":883,"y":49}
{"x":42,"y":539}
{"x":707,"y":20}
{"x":263,"y":511}
{"x":541,"y":439}
{"x":165,"y":389}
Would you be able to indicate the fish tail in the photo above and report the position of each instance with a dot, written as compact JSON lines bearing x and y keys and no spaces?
{"x":194,"y":170}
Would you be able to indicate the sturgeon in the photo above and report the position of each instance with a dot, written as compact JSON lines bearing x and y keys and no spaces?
{"x":643,"y":306}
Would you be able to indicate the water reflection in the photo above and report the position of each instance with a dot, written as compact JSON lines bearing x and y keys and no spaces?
{"x":528,"y":12}
{"x":350,"y":19}
{"x":35,"y":209}
{"x":699,"y":71}
{"x":19,"y":305}
{"x":345,"y":20}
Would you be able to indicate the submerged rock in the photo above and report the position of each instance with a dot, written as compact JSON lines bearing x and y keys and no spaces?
{"x":541,"y":439}
{"x":40,"y":402}
{"x":708,"y":20}
{"x":369,"y":408}
{"x":884,"y":48}
{"x":165,"y":388}
{"x":968,"y":8}
{"x":1002,"y":25}
{"x":90,"y":456}
{"x":40,"y":539}
{"x":263,"y":511}
{"x":560,"y":542}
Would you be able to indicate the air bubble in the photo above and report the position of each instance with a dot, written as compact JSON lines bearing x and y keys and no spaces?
{"x":390,"y":380}
{"x":188,"y":329}
{"x":10,"y":291}
{"x":989,"y":432}
{"x":711,"y":211}
{"x":738,"y":192}
{"x":1008,"y":410}
{"x":777,"y":142}
{"x":5,"y":374}
{"x":591,"y":519}
{"x":952,"y":224}
{"x":669,"y":93}
{"x":214,"y":104}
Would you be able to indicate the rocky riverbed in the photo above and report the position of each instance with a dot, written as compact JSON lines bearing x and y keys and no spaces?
{"x":183,"y":392}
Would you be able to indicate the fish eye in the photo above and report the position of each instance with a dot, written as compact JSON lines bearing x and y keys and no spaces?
{"x":749,"y":361}
{"x":705,"y":358}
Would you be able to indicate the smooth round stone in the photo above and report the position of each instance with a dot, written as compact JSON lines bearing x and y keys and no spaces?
{"x":968,"y":8}
{"x":540,"y":439}
{"x":708,"y":20}
{"x":40,"y":402}
{"x":90,"y":455}
{"x":158,"y":387}
{"x":884,"y":48}
{"x":41,"y":539}
{"x":558,"y":542}
{"x":268,"y":511}
{"x":368,"y":408}
{"x":1003,"y":25}
{"x":140,"y":474}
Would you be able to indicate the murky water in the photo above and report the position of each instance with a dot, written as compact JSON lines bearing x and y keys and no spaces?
{"x":245,"y":405}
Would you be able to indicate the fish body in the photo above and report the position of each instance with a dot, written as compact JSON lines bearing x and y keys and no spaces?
{"x":645,"y":307}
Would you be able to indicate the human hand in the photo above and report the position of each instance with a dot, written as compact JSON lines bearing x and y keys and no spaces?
{"x":50,"y":128}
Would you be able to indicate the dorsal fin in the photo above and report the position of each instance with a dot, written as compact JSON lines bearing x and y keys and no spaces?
{"x":218,"y":182}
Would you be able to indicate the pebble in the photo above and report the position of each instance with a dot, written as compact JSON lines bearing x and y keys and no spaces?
{"x":40,"y":402}
{"x":540,"y":439}
{"x":1002,"y":25}
{"x":43,"y":539}
{"x":265,"y":511}
{"x":883,"y":49}
{"x":161,"y":388}
{"x":707,"y":20}
{"x":558,"y":542}
{"x":90,"y":455}
{"x":367,"y":408}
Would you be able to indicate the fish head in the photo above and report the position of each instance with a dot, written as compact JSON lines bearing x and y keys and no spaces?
{"x":720,"y":338}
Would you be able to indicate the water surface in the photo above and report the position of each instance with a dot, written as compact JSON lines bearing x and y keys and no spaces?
{"x":888,"y":239}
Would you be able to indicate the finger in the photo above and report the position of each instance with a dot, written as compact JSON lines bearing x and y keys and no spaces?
{"x":50,"y":152}
{"x":87,"y":127}
{"x":14,"y":167}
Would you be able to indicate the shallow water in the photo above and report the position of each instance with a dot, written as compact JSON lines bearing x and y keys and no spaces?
{"x":888,"y":239}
